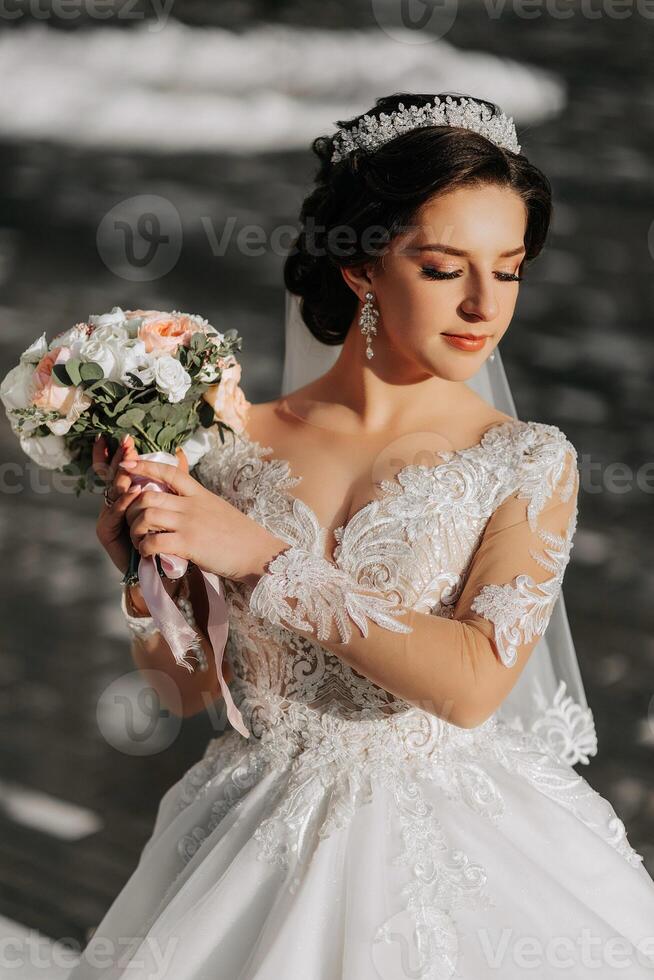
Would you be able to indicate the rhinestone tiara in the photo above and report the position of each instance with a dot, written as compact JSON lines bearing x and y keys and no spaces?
{"x":372,"y":132}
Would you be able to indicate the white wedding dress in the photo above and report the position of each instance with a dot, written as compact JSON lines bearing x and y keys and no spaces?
{"x":354,"y":836}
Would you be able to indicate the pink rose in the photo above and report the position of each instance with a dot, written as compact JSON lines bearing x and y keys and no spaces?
{"x":227,"y":398}
{"x":164,"y":332}
{"x":49,"y":396}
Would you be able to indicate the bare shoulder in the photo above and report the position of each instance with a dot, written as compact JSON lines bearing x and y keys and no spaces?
{"x":262,"y":418}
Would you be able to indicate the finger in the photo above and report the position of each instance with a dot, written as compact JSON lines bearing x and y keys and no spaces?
{"x":153,"y":520}
{"x":115,"y":460}
{"x":100,"y":458}
{"x":130,"y":450}
{"x":183,"y":461}
{"x":152,"y":499}
{"x":180,"y":482}
{"x":122,"y":480}
{"x":166,"y":543}
{"x":115,"y":512}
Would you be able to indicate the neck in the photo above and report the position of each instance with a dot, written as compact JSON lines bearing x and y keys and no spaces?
{"x":384,"y":392}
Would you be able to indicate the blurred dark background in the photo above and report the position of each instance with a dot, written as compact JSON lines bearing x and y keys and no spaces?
{"x":212,"y":107}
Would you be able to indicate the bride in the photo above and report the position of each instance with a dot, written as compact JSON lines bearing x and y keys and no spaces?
{"x":395,"y":797}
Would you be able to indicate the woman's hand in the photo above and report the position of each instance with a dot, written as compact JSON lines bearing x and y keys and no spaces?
{"x":194,"y":523}
{"x":111,"y":528}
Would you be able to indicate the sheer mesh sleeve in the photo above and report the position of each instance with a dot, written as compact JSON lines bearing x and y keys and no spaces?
{"x":517,"y":571}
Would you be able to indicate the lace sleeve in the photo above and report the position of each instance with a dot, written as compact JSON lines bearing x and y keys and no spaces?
{"x":517,"y":571}
{"x":324,"y":594}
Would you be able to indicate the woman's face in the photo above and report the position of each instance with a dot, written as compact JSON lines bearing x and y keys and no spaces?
{"x":424,"y":292}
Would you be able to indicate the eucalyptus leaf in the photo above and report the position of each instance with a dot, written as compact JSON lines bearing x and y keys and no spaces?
{"x":134,"y":416}
{"x":91,"y":371}
{"x":60,"y":376}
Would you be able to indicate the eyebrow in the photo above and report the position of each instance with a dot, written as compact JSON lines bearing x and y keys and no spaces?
{"x":449,"y":250}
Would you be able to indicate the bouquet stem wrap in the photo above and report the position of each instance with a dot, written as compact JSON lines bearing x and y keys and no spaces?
{"x":164,"y":611}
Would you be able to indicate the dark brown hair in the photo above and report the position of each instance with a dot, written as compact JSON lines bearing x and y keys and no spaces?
{"x":384,"y":190}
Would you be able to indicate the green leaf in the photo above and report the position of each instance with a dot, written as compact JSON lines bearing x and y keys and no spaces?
{"x":60,"y":375}
{"x":73,"y":366}
{"x":206,"y":414}
{"x":166,"y":434}
{"x":90,"y":371}
{"x":132,"y":417}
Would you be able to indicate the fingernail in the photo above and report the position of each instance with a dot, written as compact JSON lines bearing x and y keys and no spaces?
{"x":128,"y":464}
{"x":135,"y":488}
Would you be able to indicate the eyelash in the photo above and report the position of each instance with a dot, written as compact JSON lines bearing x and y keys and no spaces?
{"x":430,"y":273}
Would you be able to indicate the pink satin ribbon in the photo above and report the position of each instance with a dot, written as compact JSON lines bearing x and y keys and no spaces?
{"x":163,"y":609}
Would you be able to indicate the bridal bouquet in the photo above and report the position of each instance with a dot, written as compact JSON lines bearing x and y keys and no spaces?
{"x":164,"y":378}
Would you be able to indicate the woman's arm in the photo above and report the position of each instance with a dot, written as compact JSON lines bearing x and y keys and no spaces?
{"x":460,"y":669}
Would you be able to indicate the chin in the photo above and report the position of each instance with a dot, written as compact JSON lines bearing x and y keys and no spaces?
{"x":458,"y":369}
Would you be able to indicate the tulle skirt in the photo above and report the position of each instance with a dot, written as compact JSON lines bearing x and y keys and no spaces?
{"x":332,"y":849}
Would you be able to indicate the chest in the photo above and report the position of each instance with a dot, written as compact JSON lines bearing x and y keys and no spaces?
{"x":414,"y":538}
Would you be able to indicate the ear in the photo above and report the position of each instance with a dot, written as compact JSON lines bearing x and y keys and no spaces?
{"x":358,"y":279}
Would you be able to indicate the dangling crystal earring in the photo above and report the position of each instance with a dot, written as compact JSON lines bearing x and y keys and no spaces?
{"x":492,"y":357}
{"x":368,"y":322}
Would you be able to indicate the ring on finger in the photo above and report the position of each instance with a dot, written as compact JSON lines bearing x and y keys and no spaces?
{"x":109,"y":501}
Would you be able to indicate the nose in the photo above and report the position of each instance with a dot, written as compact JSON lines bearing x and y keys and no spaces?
{"x":480,"y":302}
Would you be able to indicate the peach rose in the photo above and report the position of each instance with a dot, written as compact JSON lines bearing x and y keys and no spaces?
{"x":164,"y":333}
{"x":49,"y":396}
{"x":227,"y":398}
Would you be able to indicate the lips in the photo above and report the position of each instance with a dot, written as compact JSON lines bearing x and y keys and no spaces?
{"x":467,"y":342}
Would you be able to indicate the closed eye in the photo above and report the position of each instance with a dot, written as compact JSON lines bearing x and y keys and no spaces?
{"x":429,"y":272}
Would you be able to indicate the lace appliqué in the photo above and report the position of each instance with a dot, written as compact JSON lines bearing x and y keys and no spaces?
{"x":568,"y":729}
{"x":327,"y":767}
{"x":325,"y":595}
{"x":521,"y":610}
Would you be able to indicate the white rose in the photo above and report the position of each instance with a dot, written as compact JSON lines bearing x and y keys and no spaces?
{"x":35,"y":351}
{"x":138,"y":361}
{"x":107,"y":354}
{"x":111,"y":320}
{"x":171,"y":378}
{"x":50,"y":452}
{"x":73,"y":339}
{"x":109,"y":334}
{"x":17,"y":387}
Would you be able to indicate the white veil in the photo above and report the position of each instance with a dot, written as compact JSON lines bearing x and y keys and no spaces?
{"x":549,"y":696}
